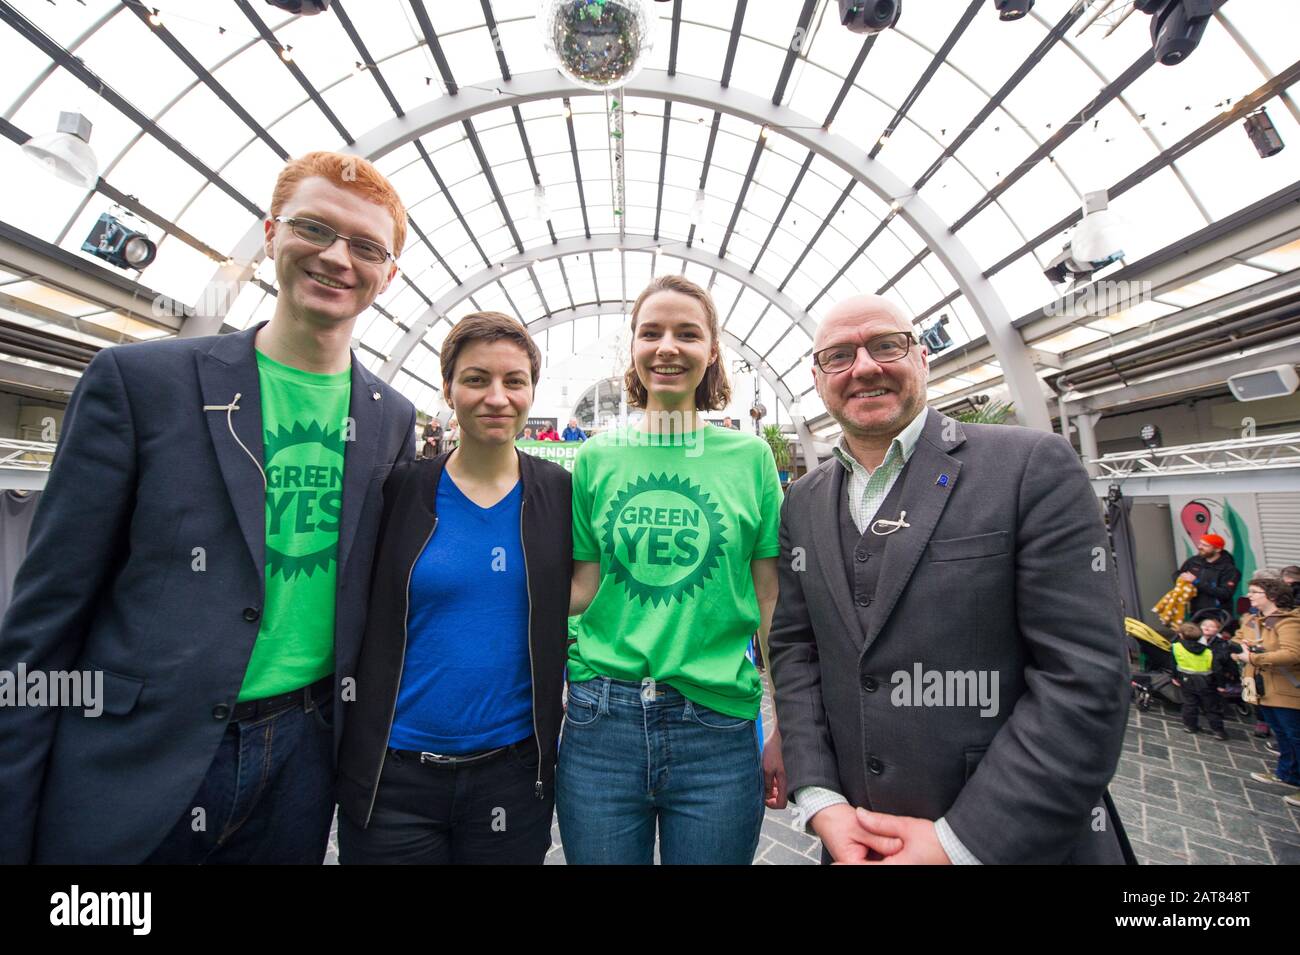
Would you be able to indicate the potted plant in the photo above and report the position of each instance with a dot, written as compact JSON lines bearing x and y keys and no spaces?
{"x":780,"y":445}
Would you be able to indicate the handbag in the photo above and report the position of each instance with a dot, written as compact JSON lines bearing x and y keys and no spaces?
{"x":1253,"y":688}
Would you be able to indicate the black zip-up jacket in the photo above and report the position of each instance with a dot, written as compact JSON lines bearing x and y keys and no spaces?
{"x":1216,"y":581}
{"x":407,"y":524}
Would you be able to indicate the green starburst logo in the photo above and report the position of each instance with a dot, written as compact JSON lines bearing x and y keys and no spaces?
{"x":664,"y":538}
{"x":304,"y":477}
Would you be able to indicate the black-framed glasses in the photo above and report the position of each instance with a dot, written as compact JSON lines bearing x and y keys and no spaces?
{"x":882,"y":349}
{"x":319,"y":234}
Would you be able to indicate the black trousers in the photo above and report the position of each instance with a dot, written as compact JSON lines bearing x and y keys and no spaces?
{"x":486,"y":813}
{"x":1199,"y":695}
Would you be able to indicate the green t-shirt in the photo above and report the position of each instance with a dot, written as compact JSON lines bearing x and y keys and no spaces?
{"x":675,"y":522}
{"x":305,"y":436}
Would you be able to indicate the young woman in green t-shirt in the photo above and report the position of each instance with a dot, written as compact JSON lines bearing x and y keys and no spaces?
{"x":675,"y":548}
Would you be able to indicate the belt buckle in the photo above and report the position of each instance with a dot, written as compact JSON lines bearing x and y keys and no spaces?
{"x":437,"y":758}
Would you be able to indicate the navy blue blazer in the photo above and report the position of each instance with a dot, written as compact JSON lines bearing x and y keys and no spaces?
{"x":148,"y":469}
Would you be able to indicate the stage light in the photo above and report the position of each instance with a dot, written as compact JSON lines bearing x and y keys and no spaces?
{"x":118,"y":245}
{"x":1012,"y":9}
{"x":306,"y":8}
{"x":67,"y":152}
{"x":1263,"y":134}
{"x":870,"y":16}
{"x":1094,"y":244}
{"x":934,"y":338}
{"x":1176,"y":26}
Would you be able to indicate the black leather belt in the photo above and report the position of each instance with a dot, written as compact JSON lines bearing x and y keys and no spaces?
{"x":453,"y":762}
{"x":309,"y":698}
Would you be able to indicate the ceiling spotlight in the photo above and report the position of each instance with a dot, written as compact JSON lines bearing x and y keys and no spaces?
{"x":934,"y":338}
{"x":286,"y":54}
{"x":1012,"y":9}
{"x":568,"y":111}
{"x":66,"y":152}
{"x":1263,"y":134}
{"x":306,"y":8}
{"x":870,"y":16}
{"x":118,"y":245}
{"x":1176,"y":26}
{"x":154,"y":18}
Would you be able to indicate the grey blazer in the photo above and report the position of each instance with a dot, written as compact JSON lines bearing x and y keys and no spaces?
{"x":1005,"y":568}
{"x":142,"y":476}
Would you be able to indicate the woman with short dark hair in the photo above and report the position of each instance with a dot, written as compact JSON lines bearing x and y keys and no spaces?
{"x":449,"y":751}
{"x":1271,"y":635}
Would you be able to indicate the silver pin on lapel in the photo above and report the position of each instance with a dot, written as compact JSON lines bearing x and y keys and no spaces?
{"x":375,"y":395}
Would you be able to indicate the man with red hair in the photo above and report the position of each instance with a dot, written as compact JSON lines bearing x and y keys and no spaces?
{"x":1214,"y":574}
{"x":202,"y":557}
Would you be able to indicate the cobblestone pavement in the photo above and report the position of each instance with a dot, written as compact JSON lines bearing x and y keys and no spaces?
{"x":1182,"y":798}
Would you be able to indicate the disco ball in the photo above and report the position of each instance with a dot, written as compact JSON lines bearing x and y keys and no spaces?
{"x":599,"y":44}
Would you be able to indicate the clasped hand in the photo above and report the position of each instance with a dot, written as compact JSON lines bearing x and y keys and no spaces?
{"x":854,"y":836}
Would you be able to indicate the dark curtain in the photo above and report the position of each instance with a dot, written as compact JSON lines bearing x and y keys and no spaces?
{"x":1120,"y":525}
{"x":16,"y":512}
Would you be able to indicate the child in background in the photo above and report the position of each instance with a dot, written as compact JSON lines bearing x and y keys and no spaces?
{"x":1195,"y":663}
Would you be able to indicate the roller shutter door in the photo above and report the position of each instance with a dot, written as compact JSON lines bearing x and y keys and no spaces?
{"x":1279,"y":522}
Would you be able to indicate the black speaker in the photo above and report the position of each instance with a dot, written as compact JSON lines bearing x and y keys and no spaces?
{"x":1263,"y":134}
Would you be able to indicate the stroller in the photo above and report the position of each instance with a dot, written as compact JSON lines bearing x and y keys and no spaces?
{"x":1157,"y":680}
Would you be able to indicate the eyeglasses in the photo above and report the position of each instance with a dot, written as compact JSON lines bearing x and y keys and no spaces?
{"x":882,"y":349}
{"x":319,"y":234}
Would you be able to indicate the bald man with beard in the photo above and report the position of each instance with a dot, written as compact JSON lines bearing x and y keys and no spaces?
{"x":948,"y":646}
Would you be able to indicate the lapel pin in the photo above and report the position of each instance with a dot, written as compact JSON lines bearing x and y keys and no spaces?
{"x":375,"y":395}
{"x":943,"y":480}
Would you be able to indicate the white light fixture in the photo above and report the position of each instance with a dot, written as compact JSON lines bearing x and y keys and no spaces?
{"x":541,"y":205}
{"x":67,"y":152}
{"x":699,"y":208}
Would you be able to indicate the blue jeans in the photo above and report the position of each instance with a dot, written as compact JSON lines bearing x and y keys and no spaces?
{"x":629,"y":760}
{"x":267,"y":798}
{"x":1285,"y":724}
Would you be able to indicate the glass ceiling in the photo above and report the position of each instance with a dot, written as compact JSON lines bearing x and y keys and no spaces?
{"x":800,"y":227}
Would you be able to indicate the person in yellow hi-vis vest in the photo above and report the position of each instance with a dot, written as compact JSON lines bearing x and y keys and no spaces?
{"x":1194,"y":663}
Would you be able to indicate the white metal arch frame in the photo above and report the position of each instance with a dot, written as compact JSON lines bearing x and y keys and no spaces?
{"x":631,"y":242}
{"x":765,"y":371}
{"x":1012,"y":354}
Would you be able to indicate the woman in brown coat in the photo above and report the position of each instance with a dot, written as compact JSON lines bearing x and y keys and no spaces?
{"x":1271,"y":637}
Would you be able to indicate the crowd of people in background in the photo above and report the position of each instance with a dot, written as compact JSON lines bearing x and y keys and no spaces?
{"x":1252,"y":656}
